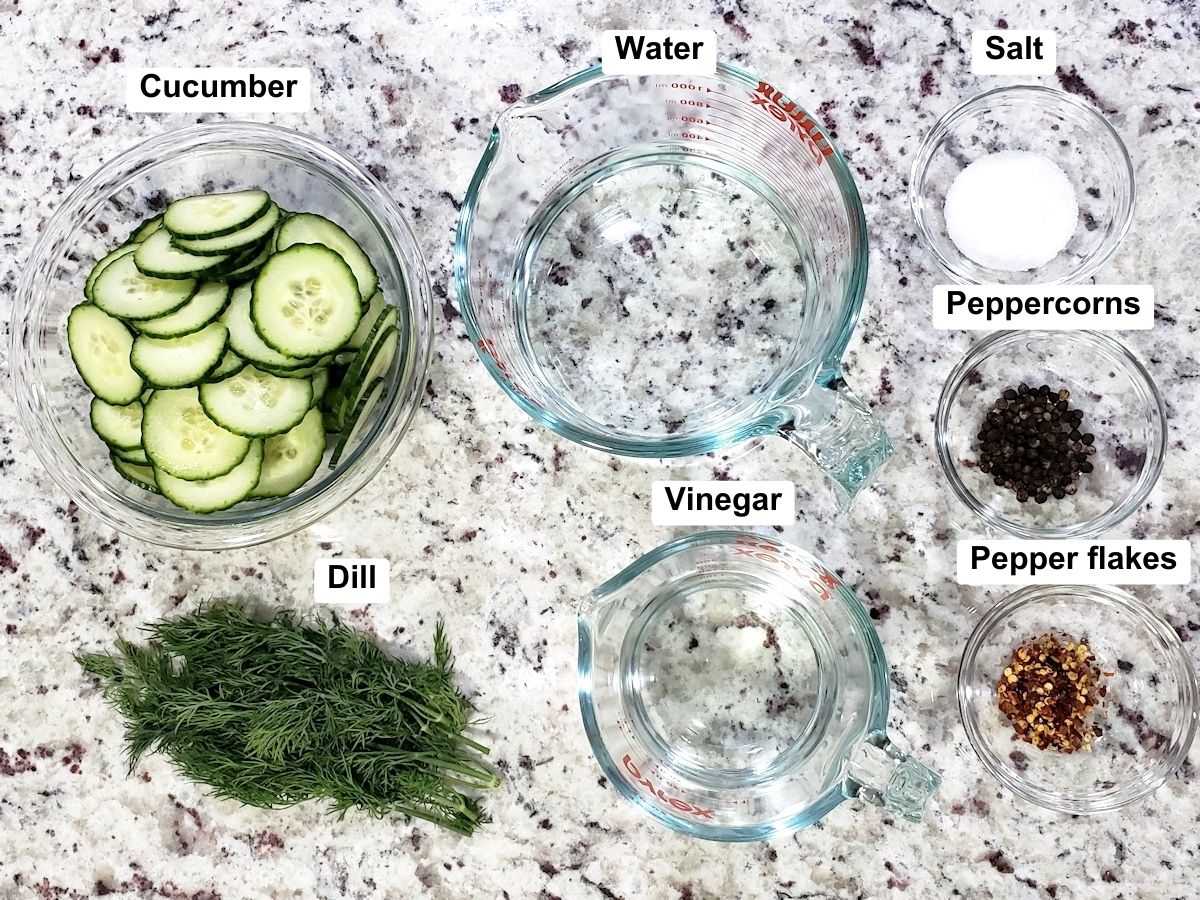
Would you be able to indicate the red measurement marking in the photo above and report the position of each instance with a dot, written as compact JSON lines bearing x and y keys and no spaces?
{"x":486,"y":346}
{"x":673,"y":802}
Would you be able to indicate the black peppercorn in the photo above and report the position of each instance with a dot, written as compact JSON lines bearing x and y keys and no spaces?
{"x":1031,"y":442}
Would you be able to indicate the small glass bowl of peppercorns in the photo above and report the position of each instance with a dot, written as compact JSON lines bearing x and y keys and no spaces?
{"x":1079,"y":699}
{"x":1051,"y":434}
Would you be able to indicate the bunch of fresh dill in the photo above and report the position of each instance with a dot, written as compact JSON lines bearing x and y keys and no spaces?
{"x":275,"y":711}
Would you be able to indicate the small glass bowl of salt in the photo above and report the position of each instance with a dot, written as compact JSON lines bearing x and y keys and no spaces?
{"x":1022,"y":185}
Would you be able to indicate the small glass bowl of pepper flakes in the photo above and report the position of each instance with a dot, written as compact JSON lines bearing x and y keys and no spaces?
{"x":1079,"y":699}
{"x":1051,"y":434}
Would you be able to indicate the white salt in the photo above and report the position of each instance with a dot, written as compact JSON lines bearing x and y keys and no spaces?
{"x":1012,"y":210}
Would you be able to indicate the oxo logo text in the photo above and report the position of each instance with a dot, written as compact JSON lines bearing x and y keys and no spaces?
{"x":673,"y":802}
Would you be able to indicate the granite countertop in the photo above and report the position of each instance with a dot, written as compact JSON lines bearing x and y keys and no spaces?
{"x":501,"y":527}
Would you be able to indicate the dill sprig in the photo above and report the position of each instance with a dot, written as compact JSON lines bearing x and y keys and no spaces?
{"x":274,"y":711}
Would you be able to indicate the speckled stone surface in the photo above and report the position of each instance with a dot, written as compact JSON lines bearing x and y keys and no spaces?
{"x":500,"y":527}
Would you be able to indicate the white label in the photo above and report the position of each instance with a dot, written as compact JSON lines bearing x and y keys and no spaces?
{"x":723,"y":503}
{"x":351,"y":581}
{"x":1047,"y":307}
{"x":225,"y":90}
{"x":691,"y":52}
{"x":1013,"y":51}
{"x":1074,"y":562}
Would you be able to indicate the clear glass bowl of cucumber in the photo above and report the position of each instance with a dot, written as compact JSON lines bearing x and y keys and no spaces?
{"x":221,"y":335}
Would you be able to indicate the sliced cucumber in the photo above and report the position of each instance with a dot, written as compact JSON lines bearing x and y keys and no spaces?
{"x":158,"y":257}
{"x":331,"y":409}
{"x":217,"y":493}
{"x":212,"y":215}
{"x":357,"y":360}
{"x":354,"y":425}
{"x":256,"y":403}
{"x":103,"y":264}
{"x":183,"y":441}
{"x":206,"y":304}
{"x":229,"y":364}
{"x":246,"y":271}
{"x":137,"y":456}
{"x":309,"y":228}
{"x":237,"y":242}
{"x":368,"y":323}
{"x":180,"y":361}
{"x":244,"y":340}
{"x":245,"y":330}
{"x":122,"y":290}
{"x":147,"y":228}
{"x":118,"y":426}
{"x":303,"y":372}
{"x":290,"y":459}
{"x":376,"y":365}
{"x":305,"y":301}
{"x":100,"y":346}
{"x":135,"y":473}
{"x":320,"y":384}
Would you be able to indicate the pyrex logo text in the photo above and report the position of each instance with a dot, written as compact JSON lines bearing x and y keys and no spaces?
{"x":820,"y":580}
{"x":673,"y":802}
{"x":798,"y":122}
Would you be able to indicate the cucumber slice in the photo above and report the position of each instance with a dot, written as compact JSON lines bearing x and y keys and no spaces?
{"x":206,"y":304}
{"x":158,"y":257}
{"x":212,"y":215}
{"x":237,"y":242}
{"x":229,"y":364}
{"x":320,"y":384}
{"x":378,"y":361}
{"x":358,"y":420}
{"x":182,"y":441}
{"x":137,"y":456}
{"x":256,"y":403}
{"x":135,"y":473}
{"x":100,"y":346}
{"x":122,"y":290}
{"x":290,"y":459}
{"x":218,"y":493}
{"x":305,"y":301}
{"x":368,"y":324}
{"x":248,"y":270}
{"x":331,"y":409}
{"x":358,"y":359}
{"x":245,"y":341}
{"x":181,"y":361}
{"x":103,"y":264}
{"x":147,"y":228}
{"x":309,"y":228}
{"x":304,"y":371}
{"x":118,"y":426}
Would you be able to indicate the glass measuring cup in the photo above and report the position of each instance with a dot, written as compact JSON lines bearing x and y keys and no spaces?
{"x":734,"y":688}
{"x":660,"y":267}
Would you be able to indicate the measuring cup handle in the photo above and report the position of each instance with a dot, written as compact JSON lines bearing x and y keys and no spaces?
{"x":883,"y":774}
{"x":834,"y":427}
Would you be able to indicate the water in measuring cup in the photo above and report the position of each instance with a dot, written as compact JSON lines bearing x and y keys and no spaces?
{"x":658,"y":296}
{"x":731,"y":683}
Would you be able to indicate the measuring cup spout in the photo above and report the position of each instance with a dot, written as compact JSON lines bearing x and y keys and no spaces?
{"x":834,"y":427}
{"x":883,"y":774}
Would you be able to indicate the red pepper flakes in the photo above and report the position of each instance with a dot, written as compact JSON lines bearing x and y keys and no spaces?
{"x":1049,"y":690}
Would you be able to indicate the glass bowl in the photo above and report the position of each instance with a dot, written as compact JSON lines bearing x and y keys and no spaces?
{"x":301,"y":173}
{"x":1147,"y":717}
{"x":1047,"y":121}
{"x":1121,"y":406}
